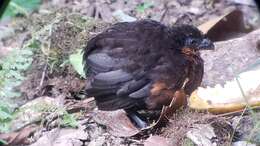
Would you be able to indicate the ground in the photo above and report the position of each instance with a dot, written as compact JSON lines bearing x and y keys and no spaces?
{"x":60,"y":28}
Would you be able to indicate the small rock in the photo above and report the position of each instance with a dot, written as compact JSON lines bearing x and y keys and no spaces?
{"x":184,"y":2}
{"x":202,"y":135}
{"x":62,"y":137}
{"x":123,"y":17}
{"x":98,"y":142}
{"x":33,"y":111}
{"x":6,"y":32}
{"x":245,"y":126}
{"x":244,"y":2}
{"x":196,"y":11}
{"x":156,"y":141}
{"x":117,"y":123}
{"x":243,"y":143}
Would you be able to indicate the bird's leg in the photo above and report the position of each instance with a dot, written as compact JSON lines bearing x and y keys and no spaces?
{"x":135,"y":117}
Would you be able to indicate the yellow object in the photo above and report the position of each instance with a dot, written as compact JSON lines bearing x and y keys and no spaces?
{"x":229,"y":97}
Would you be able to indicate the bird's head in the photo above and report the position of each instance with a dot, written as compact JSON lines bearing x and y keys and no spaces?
{"x":191,"y":39}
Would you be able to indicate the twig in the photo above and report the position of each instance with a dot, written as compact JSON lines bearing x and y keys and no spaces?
{"x":165,"y":11}
{"x":47,"y":60}
{"x":233,"y":132}
{"x":237,"y":113}
{"x":247,"y":108}
{"x":43,"y":75}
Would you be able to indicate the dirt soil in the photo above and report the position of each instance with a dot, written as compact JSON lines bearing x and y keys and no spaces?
{"x":61,"y":27}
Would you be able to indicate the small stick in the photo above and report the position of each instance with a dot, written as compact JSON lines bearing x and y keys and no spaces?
{"x":47,"y":60}
{"x":43,"y":75}
{"x":237,"y":113}
{"x":165,"y":11}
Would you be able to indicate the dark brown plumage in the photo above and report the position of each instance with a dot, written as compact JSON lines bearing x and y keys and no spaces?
{"x":140,"y":65}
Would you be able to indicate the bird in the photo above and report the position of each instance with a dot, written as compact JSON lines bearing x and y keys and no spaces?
{"x":140,"y":65}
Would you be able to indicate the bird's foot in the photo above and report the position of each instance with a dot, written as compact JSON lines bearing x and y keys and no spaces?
{"x":135,"y":117}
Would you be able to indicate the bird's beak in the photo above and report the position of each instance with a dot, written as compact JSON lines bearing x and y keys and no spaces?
{"x":206,"y":44}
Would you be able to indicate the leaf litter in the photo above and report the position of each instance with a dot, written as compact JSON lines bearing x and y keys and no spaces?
{"x":62,"y":33}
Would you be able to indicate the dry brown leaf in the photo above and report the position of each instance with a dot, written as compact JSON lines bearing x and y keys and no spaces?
{"x":34,"y":111}
{"x":225,"y":27}
{"x":62,"y":137}
{"x":20,"y":137}
{"x":244,"y":2}
{"x":73,"y":106}
{"x":202,"y":135}
{"x":156,"y":141}
{"x":117,"y":122}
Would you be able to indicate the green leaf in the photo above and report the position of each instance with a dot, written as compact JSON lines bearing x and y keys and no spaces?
{"x":143,"y":6}
{"x":11,"y":74}
{"x":76,"y":61}
{"x":26,"y":52}
{"x":11,"y":93}
{"x":33,"y":44}
{"x":22,"y":66}
{"x":69,"y":120}
{"x":15,"y":74}
{"x":4,"y":115}
{"x":4,"y":106}
{"x":2,"y":142}
{"x":4,"y":127}
{"x":21,"y":7}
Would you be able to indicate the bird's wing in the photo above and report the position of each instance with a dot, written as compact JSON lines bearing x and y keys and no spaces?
{"x":112,"y":86}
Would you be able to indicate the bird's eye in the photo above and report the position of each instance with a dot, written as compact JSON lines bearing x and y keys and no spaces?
{"x":193,"y":41}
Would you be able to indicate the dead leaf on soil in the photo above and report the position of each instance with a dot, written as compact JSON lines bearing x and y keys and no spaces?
{"x":156,"y":141}
{"x":117,"y":122}
{"x":243,"y":143}
{"x":244,"y":2}
{"x":6,"y":32}
{"x":20,"y":137}
{"x":4,"y":51}
{"x":123,"y":17}
{"x":73,"y":106}
{"x":62,"y":137}
{"x":202,"y":135}
{"x":227,"y":26}
{"x":100,"y":11}
{"x":33,"y":111}
{"x":218,"y":131}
